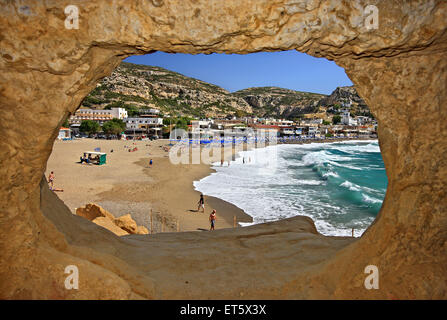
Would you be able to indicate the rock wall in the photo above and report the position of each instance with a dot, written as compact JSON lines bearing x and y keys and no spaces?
{"x":399,"y":69}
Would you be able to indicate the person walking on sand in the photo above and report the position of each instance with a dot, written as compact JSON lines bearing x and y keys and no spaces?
{"x":213,"y":219}
{"x":201,"y":203}
{"x":150,"y":163}
{"x":51,"y":180}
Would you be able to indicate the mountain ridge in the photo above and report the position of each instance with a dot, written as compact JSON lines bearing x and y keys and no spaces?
{"x":134,"y":86}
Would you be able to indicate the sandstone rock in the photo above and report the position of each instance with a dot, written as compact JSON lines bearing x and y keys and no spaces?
{"x":399,"y":69}
{"x":126,"y":223}
{"x":92,"y":211}
{"x":109,"y":225}
{"x":120,"y":226}
{"x":142,"y":230}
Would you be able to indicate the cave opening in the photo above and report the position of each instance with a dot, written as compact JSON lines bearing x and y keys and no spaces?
{"x":399,"y":68}
{"x":327,"y":161}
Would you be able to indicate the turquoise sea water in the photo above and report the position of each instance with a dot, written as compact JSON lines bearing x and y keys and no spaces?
{"x":339,"y":185}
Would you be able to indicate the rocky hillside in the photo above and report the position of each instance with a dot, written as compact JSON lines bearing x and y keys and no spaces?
{"x":345,"y":98}
{"x":141,"y":87}
{"x":279,"y":102}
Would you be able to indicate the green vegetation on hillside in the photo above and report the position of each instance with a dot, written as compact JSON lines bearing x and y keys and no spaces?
{"x":135,"y":87}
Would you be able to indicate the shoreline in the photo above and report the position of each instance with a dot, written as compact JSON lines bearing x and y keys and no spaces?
{"x":322,"y":141}
{"x":126,"y":184}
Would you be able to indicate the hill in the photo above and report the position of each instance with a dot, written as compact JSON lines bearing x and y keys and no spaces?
{"x":134,"y":87}
{"x":279,"y":102}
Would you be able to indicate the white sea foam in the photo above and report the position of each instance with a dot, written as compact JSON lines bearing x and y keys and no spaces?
{"x":331,"y":174}
{"x":351,"y":186}
{"x":309,"y":182}
{"x":322,"y":156}
{"x":348,"y":166}
{"x":354,"y":149}
{"x":369,"y":199}
{"x":273,"y":185}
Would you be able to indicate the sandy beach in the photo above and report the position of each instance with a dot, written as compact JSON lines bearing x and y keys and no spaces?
{"x":126,"y":184}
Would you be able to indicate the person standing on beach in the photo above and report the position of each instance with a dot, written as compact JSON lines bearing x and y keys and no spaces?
{"x":213,"y":219}
{"x":51,"y":180}
{"x":150,"y":163}
{"x":201,"y":204}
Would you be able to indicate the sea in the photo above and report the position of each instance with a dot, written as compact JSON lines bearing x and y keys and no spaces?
{"x":340,"y":185}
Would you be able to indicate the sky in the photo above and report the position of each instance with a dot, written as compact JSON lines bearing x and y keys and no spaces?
{"x":286,"y":69}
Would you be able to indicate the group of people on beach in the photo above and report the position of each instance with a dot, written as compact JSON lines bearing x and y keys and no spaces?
{"x":212,"y":218}
{"x":88,"y":159}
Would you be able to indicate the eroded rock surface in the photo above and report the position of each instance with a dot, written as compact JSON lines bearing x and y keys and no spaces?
{"x":120,"y":226}
{"x":92,"y":211}
{"x":110,"y":225}
{"x":399,"y":69}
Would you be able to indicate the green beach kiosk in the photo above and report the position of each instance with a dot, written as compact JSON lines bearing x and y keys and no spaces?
{"x":94,"y":157}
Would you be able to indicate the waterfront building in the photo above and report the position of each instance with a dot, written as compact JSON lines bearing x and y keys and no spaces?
{"x":99,"y":116}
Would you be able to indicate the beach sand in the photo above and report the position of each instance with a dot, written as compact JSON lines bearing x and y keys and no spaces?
{"x":126,"y":184}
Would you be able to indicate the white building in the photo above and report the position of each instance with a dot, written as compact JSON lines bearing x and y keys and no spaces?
{"x":315,"y":121}
{"x":313,"y":131}
{"x":119,"y":113}
{"x":345,"y":117}
{"x":347,"y":120}
{"x":142,"y":123}
{"x":144,"y":126}
{"x":361,"y":120}
{"x":201,"y":124}
{"x":300,"y":130}
{"x":99,"y":116}
{"x":280,"y":122}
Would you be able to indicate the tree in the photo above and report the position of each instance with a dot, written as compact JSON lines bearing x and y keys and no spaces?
{"x":89,"y":126}
{"x":326,"y":123}
{"x":66,"y":124}
{"x":336,"y":119}
{"x":167,"y":121}
{"x":131,"y":110}
{"x":239,"y":113}
{"x":114,"y":126}
{"x":89,"y":100}
{"x":115,"y":104}
{"x":298,"y":118}
{"x":182,"y":123}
